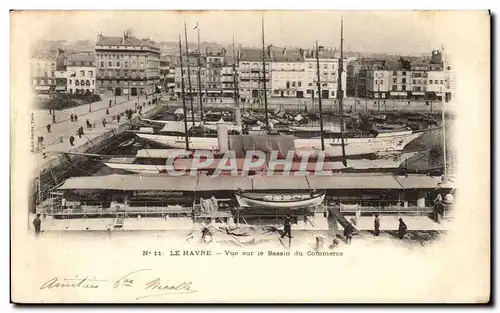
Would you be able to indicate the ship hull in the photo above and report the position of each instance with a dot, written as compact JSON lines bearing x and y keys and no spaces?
{"x":384,"y":142}
{"x":137,"y":168}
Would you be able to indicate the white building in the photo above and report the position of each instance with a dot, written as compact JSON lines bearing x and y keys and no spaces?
{"x":377,"y":83}
{"x":81,"y":70}
{"x":329,"y":74}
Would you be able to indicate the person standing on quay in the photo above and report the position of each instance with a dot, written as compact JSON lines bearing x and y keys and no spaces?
{"x":48,"y":128}
{"x":71,"y":118}
{"x":376,"y":225}
{"x":288,"y":227}
{"x":37,"y":223}
{"x":72,"y":141}
{"x":348,"y":230}
{"x":402,"y":229}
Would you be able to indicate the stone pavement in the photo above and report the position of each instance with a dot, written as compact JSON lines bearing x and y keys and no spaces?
{"x":64,"y":128}
{"x":392,"y":223}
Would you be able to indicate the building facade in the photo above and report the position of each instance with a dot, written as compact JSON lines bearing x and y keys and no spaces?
{"x":215,"y":63}
{"x":329,"y":74}
{"x":81,"y":72}
{"x":43,"y":74}
{"x":288,"y":73}
{"x":229,"y":69}
{"x":192,"y":60}
{"x":251,"y":75}
{"x":127,"y":66}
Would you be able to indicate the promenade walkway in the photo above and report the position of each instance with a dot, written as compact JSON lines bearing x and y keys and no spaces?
{"x":58,"y":138}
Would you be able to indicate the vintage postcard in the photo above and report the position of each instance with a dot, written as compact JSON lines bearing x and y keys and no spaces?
{"x":250,"y":156}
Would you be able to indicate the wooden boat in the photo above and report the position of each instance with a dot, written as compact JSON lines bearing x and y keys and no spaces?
{"x":292,"y":201}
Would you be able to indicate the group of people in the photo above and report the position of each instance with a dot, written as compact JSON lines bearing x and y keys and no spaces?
{"x":80,"y":132}
{"x":349,"y":229}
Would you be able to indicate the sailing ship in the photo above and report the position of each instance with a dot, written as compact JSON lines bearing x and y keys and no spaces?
{"x":338,"y":144}
{"x":290,"y":201}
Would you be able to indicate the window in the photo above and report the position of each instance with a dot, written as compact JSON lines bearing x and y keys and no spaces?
{"x":414,"y":81}
{"x":299,"y":84}
{"x":77,"y":83}
{"x":92,"y":83}
{"x":394,"y":73}
{"x":325,"y":66}
{"x":425,"y":81}
{"x":419,"y":81}
{"x":110,"y":64}
{"x":333,"y":93}
{"x":430,"y":81}
{"x":403,"y":87}
{"x":87,"y":82}
{"x":287,"y":85}
{"x":403,"y":80}
{"x":394,"y":87}
{"x":82,"y":73}
{"x":308,"y":91}
{"x":404,"y":73}
{"x":293,"y":84}
{"x":394,"y":80}
{"x":82,"y":82}
{"x":441,"y":81}
{"x":324,"y":84}
{"x":436,"y":81}
{"x":52,"y":74}
{"x":91,"y":74}
{"x":102,"y":63}
{"x":310,"y":84}
{"x":125,"y":64}
{"x":276,"y":92}
{"x":117,"y":64}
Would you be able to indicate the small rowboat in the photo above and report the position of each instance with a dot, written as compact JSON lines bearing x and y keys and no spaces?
{"x":293,"y":201}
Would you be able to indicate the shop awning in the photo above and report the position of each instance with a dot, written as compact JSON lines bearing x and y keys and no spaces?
{"x":398,"y":93}
{"x":417,"y":93}
{"x":42,"y":88}
{"x":60,"y":88}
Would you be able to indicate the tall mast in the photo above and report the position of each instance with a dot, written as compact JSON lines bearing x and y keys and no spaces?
{"x":340,"y":91}
{"x":319,"y":99}
{"x":264,"y":74}
{"x":199,"y":73}
{"x":183,"y":96}
{"x":443,"y":101}
{"x":237,"y":112}
{"x":189,"y":76}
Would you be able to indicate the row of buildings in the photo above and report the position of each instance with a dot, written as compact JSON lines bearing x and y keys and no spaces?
{"x":289,"y":73}
{"x":127,"y":65}
{"x":117,"y":66}
{"x":418,"y":79}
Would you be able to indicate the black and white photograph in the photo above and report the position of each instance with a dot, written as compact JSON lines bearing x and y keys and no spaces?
{"x":324,"y":141}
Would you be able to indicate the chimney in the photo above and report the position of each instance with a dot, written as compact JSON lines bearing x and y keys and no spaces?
{"x":99,"y":36}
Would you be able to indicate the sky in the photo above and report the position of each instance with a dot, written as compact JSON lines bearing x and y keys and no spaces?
{"x":402,"y":32}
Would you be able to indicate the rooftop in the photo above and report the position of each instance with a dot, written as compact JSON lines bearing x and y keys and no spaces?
{"x":82,"y":57}
{"x":125,"y":40}
{"x":287,"y":55}
{"x":252,"y":54}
